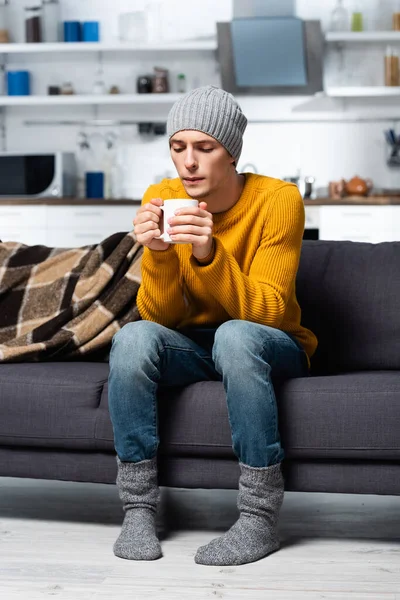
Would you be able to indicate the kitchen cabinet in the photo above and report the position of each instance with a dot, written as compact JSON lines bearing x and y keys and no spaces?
{"x":64,"y":226}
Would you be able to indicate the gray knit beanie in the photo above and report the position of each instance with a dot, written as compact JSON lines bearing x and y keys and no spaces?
{"x":212,"y":111}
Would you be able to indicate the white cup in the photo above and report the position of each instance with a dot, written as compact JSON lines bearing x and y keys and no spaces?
{"x":169,"y":208}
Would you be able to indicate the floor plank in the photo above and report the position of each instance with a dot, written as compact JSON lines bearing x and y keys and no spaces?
{"x":56,"y":542}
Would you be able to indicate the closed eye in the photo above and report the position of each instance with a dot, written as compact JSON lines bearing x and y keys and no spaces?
{"x":201,"y":149}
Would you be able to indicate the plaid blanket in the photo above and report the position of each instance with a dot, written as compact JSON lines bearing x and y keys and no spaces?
{"x":59,"y":304}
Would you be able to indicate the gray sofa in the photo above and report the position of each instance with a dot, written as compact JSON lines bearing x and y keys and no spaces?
{"x":340,"y":426}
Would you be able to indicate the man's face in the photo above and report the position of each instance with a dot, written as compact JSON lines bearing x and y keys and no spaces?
{"x":202,"y":163}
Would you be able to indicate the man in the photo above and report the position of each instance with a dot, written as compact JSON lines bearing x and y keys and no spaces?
{"x":221,"y":306}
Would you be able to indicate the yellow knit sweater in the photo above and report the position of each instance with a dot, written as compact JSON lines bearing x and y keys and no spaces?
{"x":252,"y":275}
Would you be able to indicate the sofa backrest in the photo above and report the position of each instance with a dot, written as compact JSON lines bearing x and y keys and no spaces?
{"x":349,"y":293}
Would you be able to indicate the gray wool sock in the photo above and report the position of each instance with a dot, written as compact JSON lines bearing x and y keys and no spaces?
{"x":139,"y":492}
{"x":254,"y":535}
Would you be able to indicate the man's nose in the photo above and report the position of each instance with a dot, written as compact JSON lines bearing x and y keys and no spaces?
{"x":190,"y":160}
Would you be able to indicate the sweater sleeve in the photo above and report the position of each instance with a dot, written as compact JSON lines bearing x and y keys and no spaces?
{"x":262,"y":295}
{"x":160,"y":297}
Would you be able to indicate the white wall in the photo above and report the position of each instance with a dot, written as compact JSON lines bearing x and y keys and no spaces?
{"x":327,"y":150}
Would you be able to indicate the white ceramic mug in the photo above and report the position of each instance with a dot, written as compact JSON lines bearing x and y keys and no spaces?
{"x":169,"y":208}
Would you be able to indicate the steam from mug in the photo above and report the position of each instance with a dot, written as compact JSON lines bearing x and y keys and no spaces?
{"x":169,"y":208}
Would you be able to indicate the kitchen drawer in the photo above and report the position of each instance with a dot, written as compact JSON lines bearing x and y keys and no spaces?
{"x":68,"y":238}
{"x":22,"y":217}
{"x":30,"y":237}
{"x":352,"y":219}
{"x":371,"y":237}
{"x":91,"y":218}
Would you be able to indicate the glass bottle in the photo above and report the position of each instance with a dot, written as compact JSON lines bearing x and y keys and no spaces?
{"x":4,"y":34}
{"x":51,"y":20}
{"x":339,"y":18}
{"x":33,"y":24}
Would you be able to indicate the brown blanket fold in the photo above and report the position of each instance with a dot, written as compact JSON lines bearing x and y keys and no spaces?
{"x":60,"y":304}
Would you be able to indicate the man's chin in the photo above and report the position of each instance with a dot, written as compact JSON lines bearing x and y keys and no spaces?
{"x":196,"y":192}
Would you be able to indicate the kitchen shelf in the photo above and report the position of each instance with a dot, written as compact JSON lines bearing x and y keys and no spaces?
{"x":362,"y":36}
{"x":84,"y":100}
{"x":363,"y":92}
{"x":62,"y":47}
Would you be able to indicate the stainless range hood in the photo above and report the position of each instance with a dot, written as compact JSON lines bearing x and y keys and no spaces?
{"x":266,"y":50}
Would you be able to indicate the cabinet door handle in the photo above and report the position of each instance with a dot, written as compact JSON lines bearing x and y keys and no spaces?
{"x":97,"y":236}
{"x":356,"y":214}
{"x":89,"y":214}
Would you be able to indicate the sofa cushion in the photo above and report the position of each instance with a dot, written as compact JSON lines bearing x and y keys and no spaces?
{"x":65,"y":405}
{"x":349,"y":416}
{"x":354,"y":416}
{"x":349,"y":293}
{"x":51,"y":404}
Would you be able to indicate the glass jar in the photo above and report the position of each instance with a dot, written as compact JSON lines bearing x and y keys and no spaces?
{"x":160,"y":82}
{"x":392,"y":74}
{"x":396,"y":16}
{"x":67,"y":89}
{"x":144,"y":84}
{"x":33,"y":24}
{"x":4,"y":34}
{"x":51,"y":21}
{"x":357,"y":19}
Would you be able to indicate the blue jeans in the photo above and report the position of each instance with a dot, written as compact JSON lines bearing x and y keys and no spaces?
{"x":243,"y":355}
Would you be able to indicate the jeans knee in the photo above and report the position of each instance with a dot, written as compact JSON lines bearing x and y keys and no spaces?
{"x":134,"y":340}
{"x":232,"y":339}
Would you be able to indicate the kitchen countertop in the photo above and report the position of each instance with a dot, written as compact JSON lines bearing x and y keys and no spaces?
{"x":370,"y":200}
{"x":68,"y":202}
{"x":322,"y":201}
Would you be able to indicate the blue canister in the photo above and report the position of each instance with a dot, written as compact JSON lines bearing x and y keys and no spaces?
{"x":91,"y":31}
{"x":18,"y":83}
{"x":94,"y":184}
{"x":72,"y":31}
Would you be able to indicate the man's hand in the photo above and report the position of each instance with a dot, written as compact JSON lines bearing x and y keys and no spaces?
{"x":193,"y":225}
{"x":147,"y":225}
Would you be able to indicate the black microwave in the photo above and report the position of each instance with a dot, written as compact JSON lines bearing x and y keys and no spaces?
{"x":38,"y":175}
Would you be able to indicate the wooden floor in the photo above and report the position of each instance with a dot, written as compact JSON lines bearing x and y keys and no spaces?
{"x":56,"y":542}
